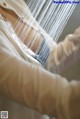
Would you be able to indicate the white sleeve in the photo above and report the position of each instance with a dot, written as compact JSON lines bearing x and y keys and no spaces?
{"x":38,"y":89}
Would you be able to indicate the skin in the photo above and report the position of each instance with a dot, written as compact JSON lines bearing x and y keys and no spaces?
{"x":32,"y":34}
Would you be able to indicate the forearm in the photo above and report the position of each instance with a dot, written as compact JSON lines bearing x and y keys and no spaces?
{"x":38,"y":89}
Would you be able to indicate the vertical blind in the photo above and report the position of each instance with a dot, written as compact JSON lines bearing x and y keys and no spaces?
{"x":51,"y":16}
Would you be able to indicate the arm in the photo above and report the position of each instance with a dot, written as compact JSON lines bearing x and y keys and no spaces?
{"x":38,"y":89}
